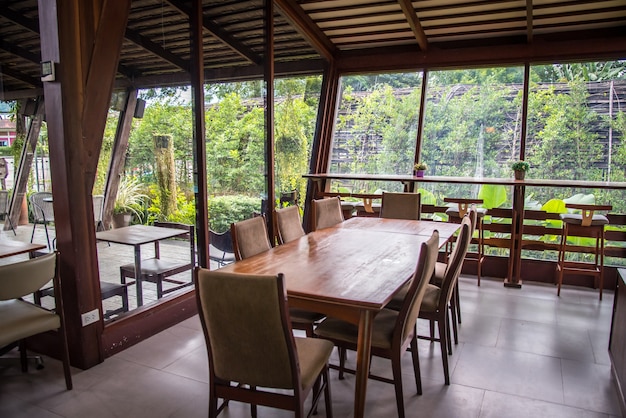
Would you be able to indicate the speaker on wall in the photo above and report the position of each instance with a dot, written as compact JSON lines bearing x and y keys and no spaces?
{"x":139,"y":109}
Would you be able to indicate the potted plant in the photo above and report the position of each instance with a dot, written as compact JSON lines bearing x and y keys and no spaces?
{"x":519,"y":169}
{"x":419,"y":168}
{"x":127,"y":202}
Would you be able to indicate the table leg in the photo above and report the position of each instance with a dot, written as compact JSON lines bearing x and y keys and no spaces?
{"x":364,"y":348}
{"x":138,"y":275}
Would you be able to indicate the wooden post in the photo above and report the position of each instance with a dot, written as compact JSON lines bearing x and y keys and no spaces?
{"x":165,"y":173}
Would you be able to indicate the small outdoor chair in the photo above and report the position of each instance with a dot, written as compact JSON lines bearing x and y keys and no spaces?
{"x":158,"y":270}
{"x":326,"y":213}
{"x":393,"y":331}
{"x":4,"y":209}
{"x":251,"y":347}
{"x":221,"y":247}
{"x":98,"y":210}
{"x":401,"y":206}
{"x":43,"y":212}
{"x":22,"y":319}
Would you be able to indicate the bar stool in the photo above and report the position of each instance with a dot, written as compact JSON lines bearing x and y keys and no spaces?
{"x":584,"y":224}
{"x":456,"y":214}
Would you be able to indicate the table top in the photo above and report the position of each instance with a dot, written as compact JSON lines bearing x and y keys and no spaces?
{"x":138,"y":234}
{"x":361,"y":262}
{"x":9,"y":247}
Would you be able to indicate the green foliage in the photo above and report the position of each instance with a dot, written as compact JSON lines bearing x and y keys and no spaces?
{"x":520,"y":166}
{"x":130,"y":197}
{"x":493,"y":195}
{"x":224,"y":210}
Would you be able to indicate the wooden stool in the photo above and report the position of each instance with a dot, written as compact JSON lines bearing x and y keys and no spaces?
{"x":585,"y":224}
{"x":456,"y":214}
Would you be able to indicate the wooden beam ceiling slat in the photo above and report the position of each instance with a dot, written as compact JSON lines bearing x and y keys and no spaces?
{"x":157,"y":50}
{"x":414,"y":23}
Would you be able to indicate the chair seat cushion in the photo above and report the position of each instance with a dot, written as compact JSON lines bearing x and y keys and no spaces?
{"x":336,"y":329}
{"x":22,"y":319}
{"x":436,"y":280}
{"x":454,"y":212}
{"x":360,"y":207}
{"x":431,"y":298}
{"x":302,"y":316}
{"x":155,"y":267}
{"x":313,"y":355}
{"x":576,"y":219}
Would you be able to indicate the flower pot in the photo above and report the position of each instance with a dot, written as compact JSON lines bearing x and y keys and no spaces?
{"x":418,"y":173}
{"x":519,"y":174}
{"x":120,"y":220}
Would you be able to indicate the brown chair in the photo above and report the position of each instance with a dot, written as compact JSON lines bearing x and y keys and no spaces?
{"x":584,"y":224}
{"x":437,"y":299}
{"x":249,"y":239}
{"x":251,"y":346}
{"x":456,"y":214}
{"x":22,"y":319}
{"x":393,"y":331}
{"x":289,"y":224}
{"x":158,"y":270}
{"x":326,"y":213}
{"x":401,"y":206}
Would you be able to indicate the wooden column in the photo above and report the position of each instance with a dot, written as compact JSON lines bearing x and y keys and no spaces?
{"x":269,"y":119}
{"x":199,"y":139}
{"x":83,"y":40}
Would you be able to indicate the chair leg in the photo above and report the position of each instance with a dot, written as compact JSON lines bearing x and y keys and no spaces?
{"x":23,"y":356}
{"x":453,"y":316}
{"x":45,"y":226}
{"x":447,"y":329}
{"x":33,"y":234}
{"x":342,"y":361}
{"x":327,"y":399}
{"x":561,"y":260}
{"x":397,"y":382}
{"x":416,"y":365}
{"x":457,"y":302}
{"x":444,"y":352}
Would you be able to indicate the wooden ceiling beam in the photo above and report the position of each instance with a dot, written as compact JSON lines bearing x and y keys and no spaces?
{"x":20,"y":52}
{"x":414,"y":23}
{"x":307,"y":28}
{"x":157,"y":50}
{"x":529,"y":21}
{"x":539,"y":52}
{"x":220,"y":34}
{"x":30,"y":24}
{"x":31,"y":81}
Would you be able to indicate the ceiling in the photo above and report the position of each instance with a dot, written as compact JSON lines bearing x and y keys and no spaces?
{"x":310,"y":33}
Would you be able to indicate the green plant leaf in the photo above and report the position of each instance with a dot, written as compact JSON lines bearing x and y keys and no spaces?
{"x":554,"y":206}
{"x":493,"y":195}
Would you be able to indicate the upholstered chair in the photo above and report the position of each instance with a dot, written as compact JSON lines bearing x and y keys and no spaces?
{"x":326,"y":213}
{"x":401,"y":206}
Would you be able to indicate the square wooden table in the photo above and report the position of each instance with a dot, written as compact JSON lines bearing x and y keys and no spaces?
{"x":349,"y":271}
{"x":137,"y":235}
{"x":10,"y":248}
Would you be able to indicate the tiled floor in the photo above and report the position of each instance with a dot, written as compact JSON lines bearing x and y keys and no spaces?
{"x":522,"y":353}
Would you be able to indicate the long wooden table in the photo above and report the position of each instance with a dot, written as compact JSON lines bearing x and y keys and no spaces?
{"x":350,"y":271}
{"x":10,"y":247}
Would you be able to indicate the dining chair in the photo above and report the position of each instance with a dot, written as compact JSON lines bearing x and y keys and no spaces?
{"x":251,"y":349}
{"x":22,"y":319}
{"x":393,"y":331}
{"x":326,"y":213}
{"x":249,"y":239}
{"x":158,"y":270}
{"x":4,"y":209}
{"x":437,"y":299}
{"x":43,"y":212}
{"x":589,"y":224}
{"x":221,"y":247}
{"x":289,"y":224}
{"x":401,"y":206}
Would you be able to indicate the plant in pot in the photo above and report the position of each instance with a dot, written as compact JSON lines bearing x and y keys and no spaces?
{"x":128,"y":202}
{"x":419,"y":168}
{"x":519,"y":169}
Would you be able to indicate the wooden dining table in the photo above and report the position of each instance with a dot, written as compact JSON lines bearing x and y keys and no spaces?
{"x":349,"y":271}
{"x":136,"y":236}
{"x":10,"y":247}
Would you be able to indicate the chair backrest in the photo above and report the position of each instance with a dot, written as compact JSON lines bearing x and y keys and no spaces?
{"x":249,"y":237}
{"x":455,"y":261}
{"x":401,"y":206}
{"x":190,"y":236}
{"x":247,"y":328}
{"x":4,"y":202}
{"x":405,"y":324}
{"x":26,"y":277}
{"x":98,"y":207}
{"x":221,"y":241}
{"x":42,"y":211}
{"x":289,"y":224}
{"x":326,"y":213}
